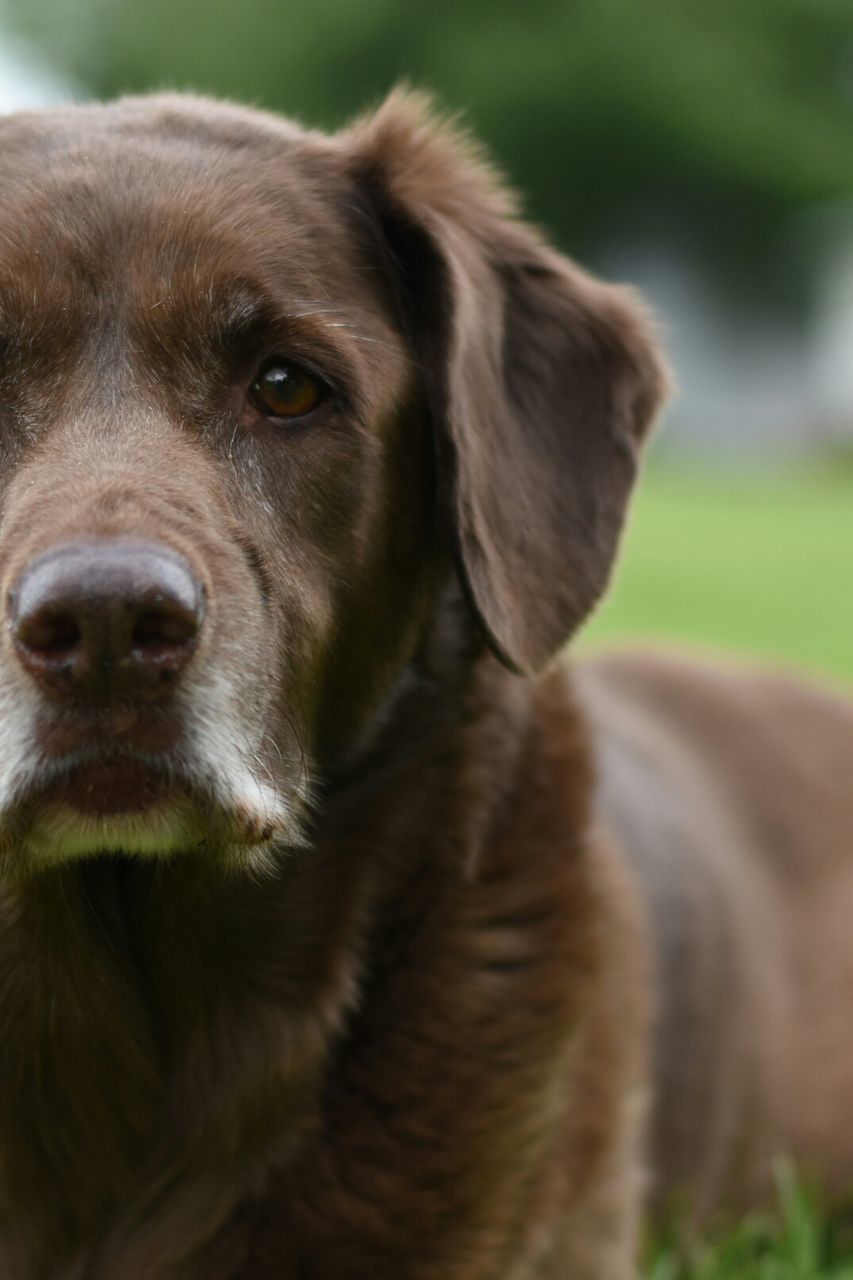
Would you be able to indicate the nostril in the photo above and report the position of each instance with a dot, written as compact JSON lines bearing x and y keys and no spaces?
{"x":162,"y":629}
{"x":49,"y":633}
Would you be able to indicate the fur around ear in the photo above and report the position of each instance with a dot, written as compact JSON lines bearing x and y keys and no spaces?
{"x":543,"y":382}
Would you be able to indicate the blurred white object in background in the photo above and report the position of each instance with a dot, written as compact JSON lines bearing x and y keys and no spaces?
{"x":755,"y":381}
{"x":833,"y":322}
{"x":25,"y":80}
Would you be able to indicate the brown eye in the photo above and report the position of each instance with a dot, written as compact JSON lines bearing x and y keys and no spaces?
{"x":284,"y":390}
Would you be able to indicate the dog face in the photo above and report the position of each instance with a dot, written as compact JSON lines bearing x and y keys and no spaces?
{"x":263,"y":394}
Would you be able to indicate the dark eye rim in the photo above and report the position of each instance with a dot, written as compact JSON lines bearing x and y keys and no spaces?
{"x":326,"y":391}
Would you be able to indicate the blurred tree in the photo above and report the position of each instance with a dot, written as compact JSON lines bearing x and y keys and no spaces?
{"x":711,"y":122}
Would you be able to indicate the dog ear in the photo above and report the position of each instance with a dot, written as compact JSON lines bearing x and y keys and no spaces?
{"x":543,"y":381}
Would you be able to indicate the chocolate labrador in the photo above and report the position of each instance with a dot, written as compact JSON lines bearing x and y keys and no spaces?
{"x":344,"y":935}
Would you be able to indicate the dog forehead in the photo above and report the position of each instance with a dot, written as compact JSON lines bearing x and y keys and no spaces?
{"x":194,"y":133}
{"x":165,"y":183}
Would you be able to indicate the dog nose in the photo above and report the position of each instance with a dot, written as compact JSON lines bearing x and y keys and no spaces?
{"x":106,"y":621}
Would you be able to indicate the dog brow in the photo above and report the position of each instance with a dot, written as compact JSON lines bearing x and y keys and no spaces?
{"x":238,"y":308}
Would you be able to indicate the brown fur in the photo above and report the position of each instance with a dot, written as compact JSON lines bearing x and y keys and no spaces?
{"x":505,"y":941}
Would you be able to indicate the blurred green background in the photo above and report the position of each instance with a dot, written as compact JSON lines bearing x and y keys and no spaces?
{"x":757,"y":564}
{"x":703,"y":151}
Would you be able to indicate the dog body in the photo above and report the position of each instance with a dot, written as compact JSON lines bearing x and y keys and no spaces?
{"x":727,"y":796}
{"x":341,"y":936}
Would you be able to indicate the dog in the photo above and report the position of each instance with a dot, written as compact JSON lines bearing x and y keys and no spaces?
{"x":345,"y":932}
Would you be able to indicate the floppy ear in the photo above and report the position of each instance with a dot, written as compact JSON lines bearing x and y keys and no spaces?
{"x":543,"y":382}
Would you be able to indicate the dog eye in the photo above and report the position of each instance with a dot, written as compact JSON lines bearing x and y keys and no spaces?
{"x":285,"y":390}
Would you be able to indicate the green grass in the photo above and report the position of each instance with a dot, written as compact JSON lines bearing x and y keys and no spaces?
{"x":748,"y":564}
{"x":797,"y":1243}
{"x":758,"y":565}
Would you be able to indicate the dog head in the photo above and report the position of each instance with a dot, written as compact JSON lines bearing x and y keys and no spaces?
{"x":263,"y":394}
